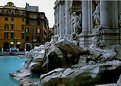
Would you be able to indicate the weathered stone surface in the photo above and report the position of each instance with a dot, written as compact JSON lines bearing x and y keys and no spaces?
{"x":113,"y":84}
{"x":119,"y":81}
{"x":69,"y":47}
{"x":85,"y":76}
{"x":63,"y":54}
{"x":36,"y":68}
{"x":25,"y":82}
{"x":53,"y":61}
{"x":70,"y":51}
{"x":67,"y":72}
{"x":95,"y":53}
{"x":117,"y":48}
{"x":103,"y":55}
{"x":81,"y":66}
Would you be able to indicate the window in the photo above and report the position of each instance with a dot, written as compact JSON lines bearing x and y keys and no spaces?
{"x":6,"y":18}
{"x":12,"y":35}
{"x":12,"y":26}
{"x":27,"y":38}
{"x":44,"y":32}
{"x":22,"y":35}
{"x":12,"y":19}
{"x":12,"y":12}
{"x":38,"y":22}
{"x":22,"y":28}
{"x":27,"y":30}
{"x":27,"y":22}
{"x":38,"y":16}
{"x":38,"y":39}
{"x":6,"y":26}
{"x":6,"y":35}
{"x":41,"y":23}
{"x":0,"y":11}
{"x":22,"y":19}
{"x":38,"y":30}
{"x":42,"y":16}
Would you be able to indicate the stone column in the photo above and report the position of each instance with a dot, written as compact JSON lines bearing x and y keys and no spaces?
{"x":119,"y":11}
{"x":90,"y":23}
{"x":62,"y":19}
{"x":119,"y":6}
{"x":56,"y":31}
{"x":84,"y":16}
{"x":115,"y":21}
{"x":114,"y":14}
{"x":66,"y":16}
{"x":83,"y":41}
{"x":105,"y":18}
{"x":67,"y":19}
{"x":89,"y":16}
{"x":105,"y":23}
{"x":109,"y":21}
{"x":59,"y":20}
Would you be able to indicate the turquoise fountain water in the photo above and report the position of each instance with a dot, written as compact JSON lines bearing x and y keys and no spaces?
{"x":9,"y":64}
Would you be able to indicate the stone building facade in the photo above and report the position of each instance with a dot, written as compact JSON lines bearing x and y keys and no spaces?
{"x":100,"y":21}
{"x":12,"y":22}
{"x":22,"y":27}
{"x":36,"y":29}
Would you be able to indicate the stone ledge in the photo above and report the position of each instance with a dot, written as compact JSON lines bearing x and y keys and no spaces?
{"x":113,"y":84}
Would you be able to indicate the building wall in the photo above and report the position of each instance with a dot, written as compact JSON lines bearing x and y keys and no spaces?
{"x":1,"y":31}
{"x":20,"y":17}
{"x":38,"y":28}
{"x":17,"y":18}
{"x":17,"y":30}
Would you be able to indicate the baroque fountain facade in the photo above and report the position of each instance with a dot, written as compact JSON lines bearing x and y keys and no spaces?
{"x":85,"y":49}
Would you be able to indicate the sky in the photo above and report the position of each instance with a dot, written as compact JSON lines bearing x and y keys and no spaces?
{"x":44,"y":6}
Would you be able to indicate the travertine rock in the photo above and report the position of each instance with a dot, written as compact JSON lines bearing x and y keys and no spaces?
{"x":84,"y":76}
{"x":119,"y":81}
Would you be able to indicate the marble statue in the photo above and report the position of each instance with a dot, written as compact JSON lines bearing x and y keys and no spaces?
{"x":76,"y":23}
{"x":96,"y":14}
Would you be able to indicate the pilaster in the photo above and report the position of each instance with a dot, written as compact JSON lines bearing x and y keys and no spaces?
{"x":83,"y":40}
{"x":105,"y":18}
{"x":84,"y":16}
{"x":109,"y":21}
